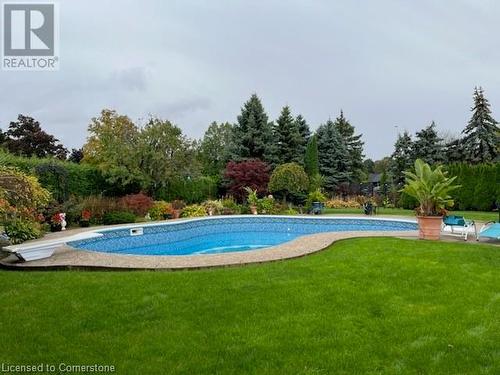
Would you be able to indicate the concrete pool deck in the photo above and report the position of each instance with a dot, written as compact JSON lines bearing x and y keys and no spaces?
{"x":66,"y":257}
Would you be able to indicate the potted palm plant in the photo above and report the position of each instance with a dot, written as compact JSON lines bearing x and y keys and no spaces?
{"x":431,"y":188}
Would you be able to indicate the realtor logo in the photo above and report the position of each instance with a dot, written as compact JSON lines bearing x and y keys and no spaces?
{"x":30,"y":36}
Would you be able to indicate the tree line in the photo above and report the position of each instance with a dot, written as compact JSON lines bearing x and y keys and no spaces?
{"x":154,"y":155}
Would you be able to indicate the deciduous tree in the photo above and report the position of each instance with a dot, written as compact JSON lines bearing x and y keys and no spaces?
{"x":25,"y":137}
{"x":289,"y":179}
{"x":165,"y":154}
{"x":113,"y":146}
{"x":253,"y":173}
{"x":215,"y":146}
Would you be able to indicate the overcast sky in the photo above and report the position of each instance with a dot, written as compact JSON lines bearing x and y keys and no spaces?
{"x":385,"y":63}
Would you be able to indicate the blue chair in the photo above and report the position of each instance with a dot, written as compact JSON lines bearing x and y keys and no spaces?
{"x":454,"y":222}
{"x":490,"y":230}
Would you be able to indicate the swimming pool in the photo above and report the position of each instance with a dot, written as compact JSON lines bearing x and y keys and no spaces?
{"x":213,"y":235}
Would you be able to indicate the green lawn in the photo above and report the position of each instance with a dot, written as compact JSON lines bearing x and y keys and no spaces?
{"x":364,"y":306}
{"x":473,"y":215}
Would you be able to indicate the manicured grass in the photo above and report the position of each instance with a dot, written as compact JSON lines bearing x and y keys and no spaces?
{"x":472,"y":215}
{"x":364,"y":306}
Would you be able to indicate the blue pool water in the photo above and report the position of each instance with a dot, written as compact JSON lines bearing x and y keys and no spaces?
{"x":226,"y":234}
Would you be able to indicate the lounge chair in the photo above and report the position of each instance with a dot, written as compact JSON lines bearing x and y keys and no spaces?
{"x":490,"y":230}
{"x":454,"y":222}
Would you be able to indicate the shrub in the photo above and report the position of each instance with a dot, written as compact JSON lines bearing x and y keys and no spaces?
{"x":22,"y":190}
{"x":407,"y":201}
{"x":99,"y":206}
{"x":290,"y":211}
{"x":252,"y":197}
{"x":213,"y":207}
{"x":267,"y":205}
{"x":315,"y":196}
{"x":194,"y":190}
{"x":253,"y":173}
{"x":139,"y":203}
{"x":230,"y":207}
{"x":289,"y":179}
{"x":160,"y":210}
{"x":178,"y":204}
{"x":86,"y":215}
{"x":341,"y":203}
{"x":193,"y":210}
{"x":480,"y":185}
{"x":20,"y":230}
{"x":118,"y":217}
{"x":73,"y":209}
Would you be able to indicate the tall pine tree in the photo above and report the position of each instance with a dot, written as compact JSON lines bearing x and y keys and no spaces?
{"x":354,"y":145}
{"x":305,"y":135}
{"x":252,"y":135}
{"x":454,"y":151}
{"x":402,"y":157}
{"x":334,"y":161}
{"x":311,"y":163}
{"x":481,"y":141}
{"x":428,"y":146}
{"x":287,"y":139}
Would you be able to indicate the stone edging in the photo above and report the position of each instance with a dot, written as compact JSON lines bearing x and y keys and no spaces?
{"x":67,"y":257}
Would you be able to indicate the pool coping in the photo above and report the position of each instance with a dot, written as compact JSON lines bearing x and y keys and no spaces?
{"x":66,"y":257}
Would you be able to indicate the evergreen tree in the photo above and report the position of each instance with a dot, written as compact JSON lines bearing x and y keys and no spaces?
{"x":252,"y":134}
{"x":287,"y":139}
{"x":353,"y":143}
{"x":428,"y":146}
{"x":402,"y":157}
{"x":311,"y":162}
{"x":334,"y":160}
{"x":454,"y":151}
{"x":481,"y":141}
{"x":305,"y":135}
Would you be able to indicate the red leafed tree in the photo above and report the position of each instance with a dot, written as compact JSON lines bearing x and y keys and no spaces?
{"x":253,"y":173}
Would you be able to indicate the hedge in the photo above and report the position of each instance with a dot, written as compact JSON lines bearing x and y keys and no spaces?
{"x":195,"y":190}
{"x":61,"y":178}
{"x":480,"y":188}
{"x":479,"y":191}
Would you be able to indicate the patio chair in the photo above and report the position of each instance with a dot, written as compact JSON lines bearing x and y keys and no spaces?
{"x":369,"y":209}
{"x":454,"y":222}
{"x":490,"y":230}
{"x":317,"y":208}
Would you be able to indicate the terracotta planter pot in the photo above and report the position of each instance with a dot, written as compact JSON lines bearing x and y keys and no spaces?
{"x":176,"y":214}
{"x":253,"y":210}
{"x":429,"y":227}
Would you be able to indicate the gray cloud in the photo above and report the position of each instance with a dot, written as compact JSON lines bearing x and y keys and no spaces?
{"x":135,"y":78}
{"x":385,"y":63}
